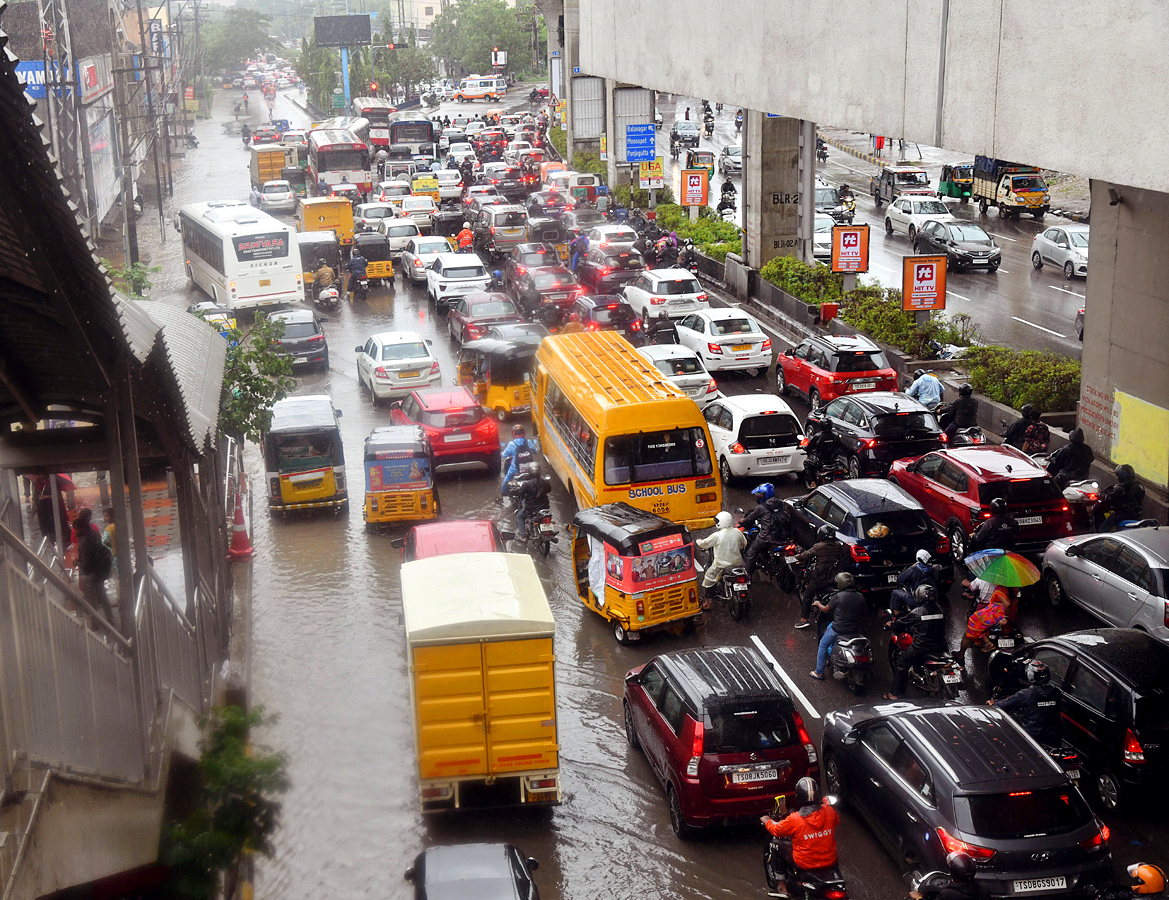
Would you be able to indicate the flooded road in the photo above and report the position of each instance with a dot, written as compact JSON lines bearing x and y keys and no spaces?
{"x":329,"y":658}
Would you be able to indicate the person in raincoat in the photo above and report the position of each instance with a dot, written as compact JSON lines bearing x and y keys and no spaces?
{"x":726,"y":544}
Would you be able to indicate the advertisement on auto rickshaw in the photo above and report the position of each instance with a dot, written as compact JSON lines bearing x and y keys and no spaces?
{"x":664,"y":561}
{"x":397,"y":470}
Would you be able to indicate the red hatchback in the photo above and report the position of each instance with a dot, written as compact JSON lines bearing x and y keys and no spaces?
{"x":956,"y":487}
{"x":720,"y":732}
{"x":459,"y":429}
{"x":825,"y":367}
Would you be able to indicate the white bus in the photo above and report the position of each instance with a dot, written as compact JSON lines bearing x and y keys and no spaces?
{"x":241,"y":257}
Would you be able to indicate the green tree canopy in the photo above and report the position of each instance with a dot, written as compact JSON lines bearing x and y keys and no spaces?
{"x":465,"y":33}
{"x":235,"y":38}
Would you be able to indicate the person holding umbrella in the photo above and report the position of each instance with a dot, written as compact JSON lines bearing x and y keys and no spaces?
{"x":1008,"y":571}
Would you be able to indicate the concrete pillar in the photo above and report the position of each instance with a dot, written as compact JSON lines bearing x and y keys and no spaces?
{"x":806,"y":215}
{"x":571,"y":61}
{"x":771,"y":187}
{"x":610,"y":134}
{"x":1124,"y":390}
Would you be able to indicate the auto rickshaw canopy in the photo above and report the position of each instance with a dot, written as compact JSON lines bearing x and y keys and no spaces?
{"x":508,"y":362}
{"x":628,"y":530}
{"x":373,"y":245}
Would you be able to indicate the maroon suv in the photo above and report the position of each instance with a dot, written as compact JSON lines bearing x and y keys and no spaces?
{"x":720,"y":732}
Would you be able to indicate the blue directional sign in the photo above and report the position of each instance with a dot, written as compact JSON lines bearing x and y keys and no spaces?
{"x":640,"y":143}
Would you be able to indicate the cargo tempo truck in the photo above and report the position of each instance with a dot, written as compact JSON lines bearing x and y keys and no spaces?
{"x":482,"y":688}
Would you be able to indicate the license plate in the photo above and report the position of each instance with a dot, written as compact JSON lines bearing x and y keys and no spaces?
{"x":1006,"y":642}
{"x":310,"y":485}
{"x":741,"y":587}
{"x":740,"y":348}
{"x":1058,"y":883}
{"x":952,"y":678}
{"x":547,"y":528}
{"x":455,"y":438}
{"x":863,"y":385}
{"x":265,"y":282}
{"x":773,"y":461}
{"x":1073,"y":774}
{"x":408,"y":374}
{"x":789,"y":559}
{"x":983,"y":262}
{"x":679,"y":303}
{"x":1030,"y":520}
{"x":891,"y":578}
{"x":753,"y":775}
{"x":558,"y":296}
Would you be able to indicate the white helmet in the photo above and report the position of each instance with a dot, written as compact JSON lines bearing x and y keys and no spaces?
{"x":723,"y":519}
{"x":923,"y":556}
{"x":466,"y":224}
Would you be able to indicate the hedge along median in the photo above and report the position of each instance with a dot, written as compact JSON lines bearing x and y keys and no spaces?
{"x":1048,"y":381}
{"x":710,"y":233}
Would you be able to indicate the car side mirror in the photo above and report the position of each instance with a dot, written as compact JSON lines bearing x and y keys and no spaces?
{"x":787,"y":352}
{"x":178,"y":228}
{"x":429,"y":342}
{"x":507,"y":535}
{"x":359,"y":349}
{"x":339,"y":412}
{"x":533,"y":864}
{"x":397,"y":404}
{"x":323,"y":318}
{"x":633,"y":678}
{"x":1072,"y":550}
{"x":399,"y":543}
{"x":849,"y":739}
{"x":409,"y":874}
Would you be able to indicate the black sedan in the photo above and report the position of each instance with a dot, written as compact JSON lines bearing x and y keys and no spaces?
{"x":577,"y":221}
{"x":880,"y":524}
{"x":605,"y":270}
{"x":878,"y":427}
{"x":554,"y":283}
{"x":965,"y":245}
{"x":524,"y":257}
{"x":473,"y":872}
{"x":547,"y":204}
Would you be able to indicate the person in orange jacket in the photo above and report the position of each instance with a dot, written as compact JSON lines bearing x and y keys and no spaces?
{"x":810,"y":832}
{"x":465,"y":238}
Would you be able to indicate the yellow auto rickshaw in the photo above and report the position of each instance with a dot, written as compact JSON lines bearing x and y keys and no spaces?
{"x":701,"y":159}
{"x":304,"y":460}
{"x":325,"y":213}
{"x":499,"y":374}
{"x":375,"y":247}
{"x":399,"y":476}
{"x":635,"y":569}
{"x":315,"y":246}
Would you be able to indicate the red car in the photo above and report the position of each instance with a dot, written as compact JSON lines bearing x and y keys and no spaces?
{"x":459,"y":429}
{"x":441,"y":538}
{"x":825,"y":367}
{"x":473,"y":314}
{"x":956,"y":487}
{"x":720,"y":732}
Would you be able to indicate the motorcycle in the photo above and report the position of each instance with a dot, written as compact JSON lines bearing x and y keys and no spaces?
{"x":851,"y":658}
{"x":821,"y":150}
{"x":824,"y":474}
{"x":708,"y":128}
{"x":541,"y":530}
{"x":359,"y":288}
{"x":726,"y":205}
{"x":733,"y":591}
{"x":938,"y":674}
{"x":1082,"y":497}
{"x":1005,"y":637}
{"x":675,"y":149}
{"x":929,"y":885}
{"x":192,"y":141}
{"x":968,"y":437}
{"x":791,"y":881}
{"x":849,"y":209}
{"x":328,"y":297}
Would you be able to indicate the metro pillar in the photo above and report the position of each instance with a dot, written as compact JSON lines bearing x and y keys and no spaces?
{"x":772,"y":188}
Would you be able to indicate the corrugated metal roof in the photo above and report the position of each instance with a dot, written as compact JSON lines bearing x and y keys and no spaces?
{"x":196,"y":353}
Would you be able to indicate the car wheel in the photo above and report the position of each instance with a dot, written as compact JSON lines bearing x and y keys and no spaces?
{"x":619,"y":633}
{"x":1037,"y":260}
{"x":854,"y":467}
{"x":912,"y":232}
{"x":1038,"y":214}
{"x":877,"y":200}
{"x":917,"y":248}
{"x":814,"y":400}
{"x":957,"y":535}
{"x":677,"y":823}
{"x":1069,"y":271}
{"x":1109,"y":790}
{"x":325,"y":362}
{"x":888,"y":225}
{"x":630,"y":731}
{"x":724,"y":470}
{"x":780,"y":382}
{"x":1055,"y":594}
{"x":360,"y":383}
{"x":833,"y":781}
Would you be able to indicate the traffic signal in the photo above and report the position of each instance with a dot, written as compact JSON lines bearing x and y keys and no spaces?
{"x":373,"y":87}
{"x":401,"y":46}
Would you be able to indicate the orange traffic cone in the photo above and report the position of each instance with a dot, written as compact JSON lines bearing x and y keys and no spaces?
{"x":241,"y":546}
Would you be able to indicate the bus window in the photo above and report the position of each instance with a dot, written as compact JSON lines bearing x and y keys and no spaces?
{"x":656,"y":456}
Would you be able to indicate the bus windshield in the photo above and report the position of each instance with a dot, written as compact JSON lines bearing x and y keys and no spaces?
{"x":337,"y":160}
{"x":656,"y":456}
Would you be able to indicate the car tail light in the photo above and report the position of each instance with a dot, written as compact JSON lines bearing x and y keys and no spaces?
{"x":380,"y":372}
{"x":1065,"y":508}
{"x":636,"y":325}
{"x":712,"y":387}
{"x":944,"y":438}
{"x":1099,"y":839}
{"x":859,"y":553}
{"x":434,"y":368}
{"x":869,"y":443}
{"x":605,"y":271}
{"x":702,"y":298}
{"x":1167,"y":613}
{"x":657,"y":301}
{"x":1133,"y":751}
{"x":715,"y":349}
{"x":943,"y":545}
{"x":737,"y":448}
{"x":977,"y":514}
{"x":486,"y":426}
{"x":952,"y":844}
{"x":696,"y":750}
{"x":805,"y":738}
{"x":766,"y":345}
{"x":803,"y":442}
{"x":275,"y":488}
{"x":835,"y":894}
{"x":316,"y":339}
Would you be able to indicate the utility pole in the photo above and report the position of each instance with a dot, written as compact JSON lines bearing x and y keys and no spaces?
{"x":152,"y":115}
{"x":129,"y":226}
{"x":61,"y":90}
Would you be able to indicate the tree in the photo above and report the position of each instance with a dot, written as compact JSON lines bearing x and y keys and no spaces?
{"x":464,"y":34}
{"x":257,"y":374}
{"x":133,"y":280}
{"x":236,"y":37}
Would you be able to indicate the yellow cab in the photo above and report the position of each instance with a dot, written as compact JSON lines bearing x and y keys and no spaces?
{"x":399,"y":476}
{"x":304,"y":461}
{"x":499,"y":374}
{"x":324,"y":214}
{"x":635,"y":569}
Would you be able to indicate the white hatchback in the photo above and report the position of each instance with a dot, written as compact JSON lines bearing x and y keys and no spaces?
{"x":683,"y":367}
{"x":277,"y":196}
{"x":394,"y":363}
{"x":910,"y":211}
{"x":612,"y":236}
{"x":754,"y":435}
{"x":399,"y":231}
{"x":450,"y":184}
{"x":726,"y":339}
{"x":676,"y":291}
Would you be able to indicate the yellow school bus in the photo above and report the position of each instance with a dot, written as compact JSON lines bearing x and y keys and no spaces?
{"x":613,"y":428}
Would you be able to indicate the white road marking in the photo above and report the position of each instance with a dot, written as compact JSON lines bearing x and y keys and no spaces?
{"x":1040,"y":327}
{"x":950,"y":293}
{"x":1003,"y":272}
{"x":786,"y":678}
{"x":1003,"y":237}
{"x":1066,"y":291}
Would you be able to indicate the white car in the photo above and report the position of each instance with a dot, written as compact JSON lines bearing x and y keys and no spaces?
{"x":1065,"y":246}
{"x":754,"y":435}
{"x":473,"y":128}
{"x":822,"y":237}
{"x":514,"y":150}
{"x":908,"y":213}
{"x":452,"y":275}
{"x":726,"y":338}
{"x":460,"y":152}
{"x":392,"y":192}
{"x":612,"y":236}
{"x":422,"y":210}
{"x":683,"y":367}
{"x":293,"y":136}
{"x":394,"y":363}
{"x":419,"y":255}
{"x":674,"y":290}
{"x":450,"y":184}
{"x":399,"y":231}
{"x":277,"y":196}
{"x":371,"y":214}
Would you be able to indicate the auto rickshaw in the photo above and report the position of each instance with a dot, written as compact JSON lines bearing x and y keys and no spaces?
{"x":957,"y":181}
{"x":424,"y":184}
{"x":635,"y":569}
{"x":499,"y":374}
{"x":296,"y":178}
{"x":315,"y":246}
{"x":399,"y":476}
{"x":375,"y":247}
{"x":304,"y":460}
{"x":701,"y":159}
{"x":550,"y":231}
{"x":221,"y":318}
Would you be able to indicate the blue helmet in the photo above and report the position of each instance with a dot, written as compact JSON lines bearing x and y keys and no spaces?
{"x":764,"y":492}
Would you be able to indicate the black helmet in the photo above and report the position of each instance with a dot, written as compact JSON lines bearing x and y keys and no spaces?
{"x":825,"y":532}
{"x":965,"y":391}
{"x":926,"y":593}
{"x":826,"y":425}
{"x":998,"y":506}
{"x":807,"y":791}
{"x":1076,"y":436}
{"x":1033,"y":414}
{"x":1037,"y":672}
{"x":844,"y":581}
{"x":917,"y":373}
{"x":1124,"y":473}
{"x":961,"y":866}
{"x":1027,"y":410}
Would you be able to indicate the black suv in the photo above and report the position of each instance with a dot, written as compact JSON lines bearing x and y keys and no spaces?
{"x":304,"y":338}
{"x":931,"y":778}
{"x":877,"y":428}
{"x":882,"y":526}
{"x":1115,"y":705}
{"x":608,"y":312}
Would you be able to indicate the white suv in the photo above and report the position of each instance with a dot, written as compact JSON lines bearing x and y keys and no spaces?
{"x":452,"y":276}
{"x":674,"y":290}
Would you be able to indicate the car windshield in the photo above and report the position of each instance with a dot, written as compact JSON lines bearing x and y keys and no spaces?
{"x":969,"y":233}
{"x":680,"y":365}
{"x":1021,"y":491}
{"x":492,"y":308}
{"x":451,"y":418}
{"x":824,"y":224}
{"x":430,"y":248}
{"x":656,"y":456}
{"x":404,"y":350}
{"x":417,"y":203}
{"x":687,"y":128}
{"x":905,"y":424}
{"x":912,"y":178}
{"x":678,"y":286}
{"x":588,"y":219}
{"x":1079,"y":238}
{"x":748,"y":727}
{"x":297,"y":330}
{"x":732,"y":326}
{"x":1026,"y":813}
{"x":899,"y":522}
{"x":465,"y":272}
{"x":930,"y":208}
{"x":735,"y":151}
{"x":826,"y":197}
{"x":864,"y":361}
{"x":279,"y":187}
{"x":408,"y":231}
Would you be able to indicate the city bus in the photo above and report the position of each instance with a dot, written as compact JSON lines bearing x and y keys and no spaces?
{"x":613,"y":428}
{"x":240,"y":256}
{"x":337,"y":155}
{"x":377,"y":112}
{"x":481,"y":87}
{"x":418,"y":134}
{"x":358,"y":126}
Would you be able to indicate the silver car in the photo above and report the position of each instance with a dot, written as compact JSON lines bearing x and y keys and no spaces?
{"x":1121,"y":578}
{"x":277,"y":196}
{"x":731,"y":160}
{"x":822,"y":237}
{"x":1065,"y":246}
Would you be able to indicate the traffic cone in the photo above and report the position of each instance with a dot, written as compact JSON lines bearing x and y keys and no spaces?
{"x":241,"y":546}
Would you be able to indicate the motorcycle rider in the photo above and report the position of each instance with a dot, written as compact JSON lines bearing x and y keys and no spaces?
{"x":517,"y":454}
{"x":465,"y":238}
{"x":823,"y":450}
{"x":726,"y":544}
{"x":323,"y":277}
{"x":1037,"y":435}
{"x":984,"y":618}
{"x":738,"y":121}
{"x":921,"y":572}
{"x":529,"y":492}
{"x":926,"y":389}
{"x":823,"y":560}
{"x":572,"y":326}
{"x":1120,"y":501}
{"x":578,"y":247}
{"x":661,"y":330}
{"x":1035,"y":707}
{"x":1000,"y":531}
{"x":807,"y":837}
{"x":769,"y":515}
{"x":963,"y":886}
{"x":688,"y":256}
{"x":847,"y":607}
{"x":1072,"y":461}
{"x":1016,"y":434}
{"x":962,"y":413}
{"x":357,"y":267}
{"x":496,"y":282}
{"x":549,"y":314}
{"x":927,"y":624}
{"x":245,"y":132}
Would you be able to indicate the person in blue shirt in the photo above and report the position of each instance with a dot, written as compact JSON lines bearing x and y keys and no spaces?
{"x":516,"y":455}
{"x":579,"y":247}
{"x":926,"y":389}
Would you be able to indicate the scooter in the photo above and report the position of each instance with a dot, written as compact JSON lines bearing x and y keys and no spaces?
{"x":824,"y":474}
{"x":968,"y":437}
{"x":191,"y":140}
{"x":849,"y":205}
{"x":359,"y":288}
{"x":851,"y":658}
{"x":790,"y":881}
{"x":938,"y":674}
{"x":328,"y":297}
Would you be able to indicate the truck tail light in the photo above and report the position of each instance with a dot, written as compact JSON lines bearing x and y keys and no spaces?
{"x":805,"y":738}
{"x":953,"y":844}
{"x":859,"y":553}
{"x":706,"y":498}
{"x":1133,"y":751}
{"x":696,"y":750}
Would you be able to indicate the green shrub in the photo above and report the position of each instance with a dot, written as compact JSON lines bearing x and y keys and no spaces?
{"x":711,"y":235}
{"x":813,"y":284}
{"x":559,"y":139}
{"x":636,"y":198}
{"x":1048,"y":381}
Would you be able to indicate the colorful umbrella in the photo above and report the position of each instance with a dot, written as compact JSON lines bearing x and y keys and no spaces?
{"x":1002,"y":567}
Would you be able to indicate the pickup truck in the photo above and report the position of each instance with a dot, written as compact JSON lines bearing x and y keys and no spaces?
{"x":1012,"y":187}
{"x":893,"y":181}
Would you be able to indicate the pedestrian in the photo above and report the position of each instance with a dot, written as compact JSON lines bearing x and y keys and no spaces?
{"x":255,"y":197}
{"x":245,"y":101}
{"x":94,"y":563}
{"x":109,"y":535}
{"x":687,"y":112}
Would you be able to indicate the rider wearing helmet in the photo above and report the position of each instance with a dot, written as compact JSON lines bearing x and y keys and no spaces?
{"x":465,"y":238}
{"x":823,"y":449}
{"x":847,"y":607}
{"x":496,"y":283}
{"x":726,"y":544}
{"x":324,"y":276}
{"x":964,"y":886}
{"x":1072,"y":461}
{"x":1120,"y":501}
{"x":823,"y":560}
{"x":769,"y":514}
{"x":962,"y":413}
{"x":1018,"y":431}
{"x":810,"y":831}
{"x":927,"y":624}
{"x":921,"y":572}
{"x":1036,"y":707}
{"x":1000,"y":531}
{"x":661,"y":330}
{"x":926,"y":389}
{"x":516,"y":455}
{"x":573,"y":324}
{"x":529,"y":492}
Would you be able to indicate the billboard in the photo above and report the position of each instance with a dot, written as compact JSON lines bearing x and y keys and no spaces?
{"x":850,"y":248}
{"x":923,"y":283}
{"x":342,"y":31}
{"x":694,"y":187}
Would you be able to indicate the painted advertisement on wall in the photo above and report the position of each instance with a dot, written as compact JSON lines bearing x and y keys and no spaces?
{"x":103,"y":159}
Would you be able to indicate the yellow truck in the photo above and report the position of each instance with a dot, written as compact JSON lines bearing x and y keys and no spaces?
{"x":482,"y":681}
{"x":326,"y":214}
{"x":268,"y":162}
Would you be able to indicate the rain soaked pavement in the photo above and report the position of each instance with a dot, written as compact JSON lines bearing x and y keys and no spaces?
{"x":329,"y":658}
